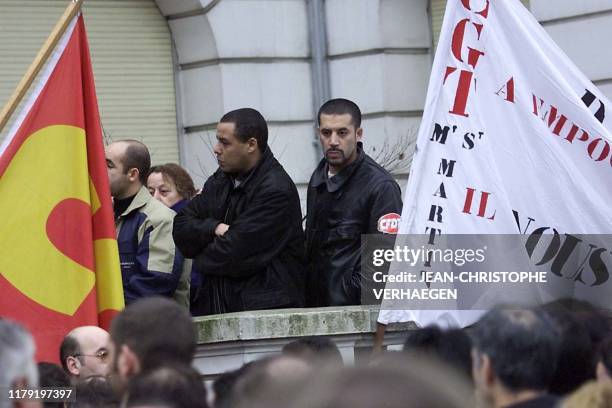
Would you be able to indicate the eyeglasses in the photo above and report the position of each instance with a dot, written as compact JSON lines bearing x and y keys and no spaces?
{"x":102,"y":355}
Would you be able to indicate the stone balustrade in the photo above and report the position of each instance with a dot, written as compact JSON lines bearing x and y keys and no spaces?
{"x":226,"y":342}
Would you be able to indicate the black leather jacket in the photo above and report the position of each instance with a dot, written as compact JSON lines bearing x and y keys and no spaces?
{"x":258,"y":263}
{"x":339,"y":210}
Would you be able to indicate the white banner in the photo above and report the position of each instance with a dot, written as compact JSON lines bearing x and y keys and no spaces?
{"x":514,"y":140}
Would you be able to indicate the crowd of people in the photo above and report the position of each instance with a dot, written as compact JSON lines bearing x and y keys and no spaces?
{"x":240,"y":244}
{"x":556,"y":355}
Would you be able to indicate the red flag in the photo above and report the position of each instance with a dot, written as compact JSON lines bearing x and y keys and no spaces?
{"x":59,"y":263}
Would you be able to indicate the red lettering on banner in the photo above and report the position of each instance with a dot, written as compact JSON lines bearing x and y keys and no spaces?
{"x":457,"y":42}
{"x":557,"y":123}
{"x":484,"y":198}
{"x":605,"y":150}
{"x":462,"y":93}
{"x":507,"y":90}
{"x":484,"y":12}
{"x":464,"y":81}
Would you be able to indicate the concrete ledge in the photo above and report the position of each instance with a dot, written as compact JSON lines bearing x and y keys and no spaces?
{"x":289,"y":323}
{"x":226,"y":342}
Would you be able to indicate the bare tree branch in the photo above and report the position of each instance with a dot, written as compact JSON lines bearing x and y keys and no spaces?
{"x":395,"y":158}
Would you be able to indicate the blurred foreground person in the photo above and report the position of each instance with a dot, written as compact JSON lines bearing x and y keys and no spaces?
{"x":266,"y":373}
{"x":514,"y":354}
{"x":314,"y":349}
{"x":577,"y":357}
{"x":167,"y":387}
{"x":52,"y":375}
{"x":17,"y":366}
{"x":148,"y":334}
{"x":95,"y":392}
{"x":450,"y":346}
{"x":394,"y":384}
{"x":223,"y":385}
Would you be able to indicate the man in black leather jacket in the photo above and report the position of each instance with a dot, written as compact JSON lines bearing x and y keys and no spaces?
{"x":244,"y":230}
{"x":349,"y":194}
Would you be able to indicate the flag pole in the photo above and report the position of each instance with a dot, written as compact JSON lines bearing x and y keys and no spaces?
{"x":39,"y":61}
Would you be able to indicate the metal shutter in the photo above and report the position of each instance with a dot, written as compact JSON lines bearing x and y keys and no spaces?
{"x":131,"y":52}
{"x":436,"y":9}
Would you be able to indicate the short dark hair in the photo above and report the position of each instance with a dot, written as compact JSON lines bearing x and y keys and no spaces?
{"x":158,"y":330}
{"x":224,"y":385}
{"x":52,"y":375}
{"x":341,"y":106}
{"x":594,"y":320}
{"x":136,"y":156}
{"x":452,"y":347}
{"x":249,"y":123}
{"x":179,"y":176}
{"x":175,"y":386}
{"x":313,"y":347}
{"x":522,"y":346}
{"x":95,"y":392}
{"x":577,"y":355}
{"x":69,"y":347}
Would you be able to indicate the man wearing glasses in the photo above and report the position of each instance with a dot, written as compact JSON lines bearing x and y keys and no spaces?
{"x":84,"y":353}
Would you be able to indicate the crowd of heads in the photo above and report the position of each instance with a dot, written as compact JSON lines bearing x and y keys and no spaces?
{"x":510,"y":356}
{"x":145,"y":360}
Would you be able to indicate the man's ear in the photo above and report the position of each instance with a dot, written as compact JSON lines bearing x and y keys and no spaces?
{"x":252,"y":145}
{"x":128,"y":363}
{"x":602,"y":373}
{"x":487,"y":370}
{"x":482,"y":371}
{"x":73,"y":365}
{"x":133,"y":174}
{"x":359,"y":134}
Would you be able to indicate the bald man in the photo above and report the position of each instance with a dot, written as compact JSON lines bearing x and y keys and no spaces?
{"x":150,"y":263}
{"x":84,"y":353}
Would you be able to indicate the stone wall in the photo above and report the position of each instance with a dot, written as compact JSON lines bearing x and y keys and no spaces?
{"x":226,"y":342}
{"x":258,"y":53}
{"x":582,"y":29}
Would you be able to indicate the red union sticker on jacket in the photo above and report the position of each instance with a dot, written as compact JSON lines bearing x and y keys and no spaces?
{"x":389,"y":223}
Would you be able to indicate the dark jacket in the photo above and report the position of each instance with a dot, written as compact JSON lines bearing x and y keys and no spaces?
{"x":339,"y":210}
{"x":258,"y":263}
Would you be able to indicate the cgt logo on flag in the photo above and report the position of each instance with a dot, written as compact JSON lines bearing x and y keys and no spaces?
{"x":389,"y":223}
{"x":59,"y":263}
